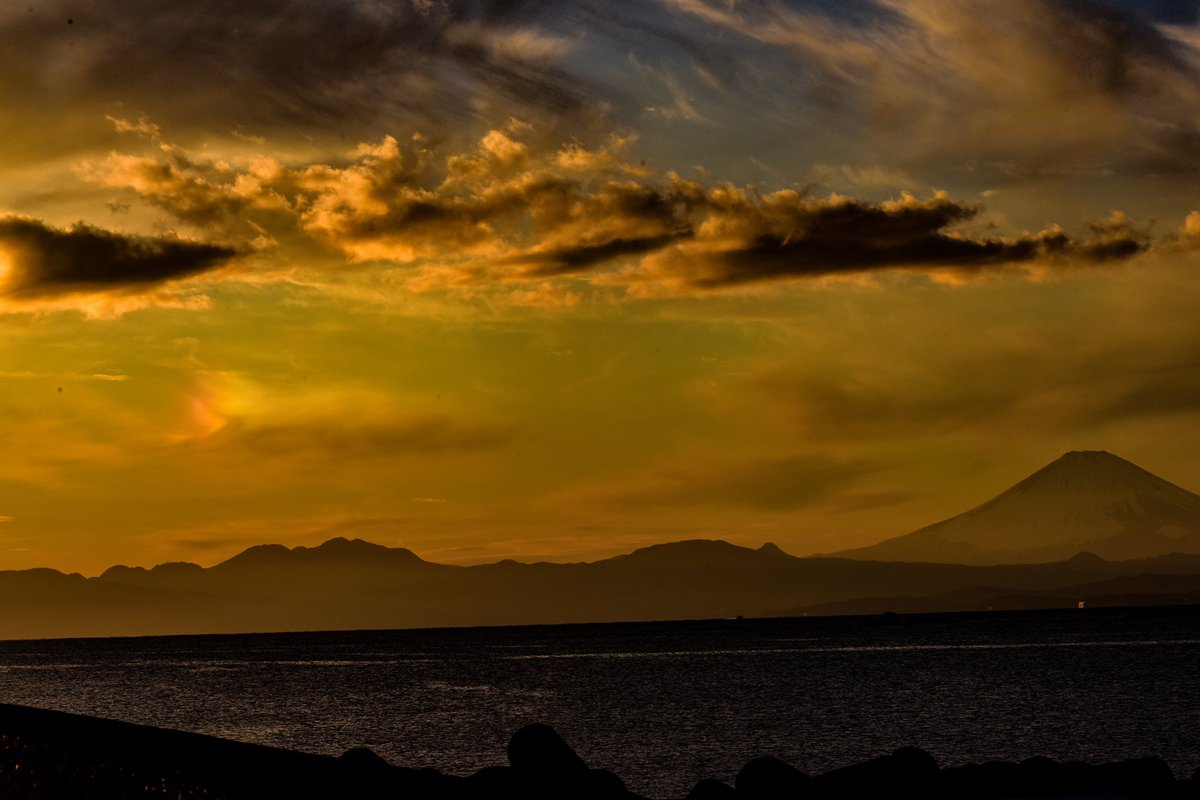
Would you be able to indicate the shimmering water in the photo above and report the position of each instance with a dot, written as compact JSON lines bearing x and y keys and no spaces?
{"x":663,"y":704}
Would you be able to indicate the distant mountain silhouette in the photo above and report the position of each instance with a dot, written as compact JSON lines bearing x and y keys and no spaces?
{"x":352,"y":584}
{"x":1085,"y":501}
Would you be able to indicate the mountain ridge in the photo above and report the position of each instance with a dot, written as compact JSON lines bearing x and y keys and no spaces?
{"x":316,"y":588}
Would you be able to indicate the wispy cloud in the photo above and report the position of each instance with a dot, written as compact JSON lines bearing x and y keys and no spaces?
{"x":1031,"y":83}
{"x":295,"y":66}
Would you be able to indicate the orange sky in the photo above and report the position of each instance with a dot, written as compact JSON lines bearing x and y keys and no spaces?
{"x":556,"y":281}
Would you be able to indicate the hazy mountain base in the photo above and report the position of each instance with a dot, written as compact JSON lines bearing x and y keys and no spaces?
{"x":346,"y":585}
{"x":1138,"y":590}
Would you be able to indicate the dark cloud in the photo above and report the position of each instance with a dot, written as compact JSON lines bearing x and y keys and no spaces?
{"x":46,"y":262}
{"x":850,"y":236}
{"x":770,"y":256}
{"x":583,"y":257}
{"x":789,"y":235}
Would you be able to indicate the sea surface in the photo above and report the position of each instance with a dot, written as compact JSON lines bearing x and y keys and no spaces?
{"x":663,"y":704}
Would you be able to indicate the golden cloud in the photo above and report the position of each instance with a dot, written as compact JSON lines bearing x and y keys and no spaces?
{"x":506,"y":213}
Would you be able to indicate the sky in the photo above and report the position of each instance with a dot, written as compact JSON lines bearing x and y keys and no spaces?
{"x":556,"y":280}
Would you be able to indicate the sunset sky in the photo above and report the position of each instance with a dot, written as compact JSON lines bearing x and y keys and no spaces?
{"x":557,"y":280}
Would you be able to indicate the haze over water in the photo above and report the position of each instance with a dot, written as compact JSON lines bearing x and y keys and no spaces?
{"x":663,"y":704}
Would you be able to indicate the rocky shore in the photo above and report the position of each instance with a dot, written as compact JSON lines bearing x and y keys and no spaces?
{"x":49,"y":755}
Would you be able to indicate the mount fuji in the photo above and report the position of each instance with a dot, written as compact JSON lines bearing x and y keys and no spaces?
{"x":1084,"y":502}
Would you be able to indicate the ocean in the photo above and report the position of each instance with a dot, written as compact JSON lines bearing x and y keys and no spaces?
{"x":663,"y":704}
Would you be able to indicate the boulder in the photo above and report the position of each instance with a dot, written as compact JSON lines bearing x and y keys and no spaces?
{"x":494,"y":782}
{"x":989,"y":779}
{"x":770,"y":778}
{"x":712,"y":789}
{"x":538,"y":749}
{"x":908,"y":772}
{"x":1140,"y":777}
{"x":545,"y":766}
{"x":364,"y":758}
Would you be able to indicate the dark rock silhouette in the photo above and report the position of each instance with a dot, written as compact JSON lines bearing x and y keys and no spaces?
{"x":494,"y":782}
{"x":364,"y":758}
{"x":712,"y":789}
{"x":538,"y":748}
{"x":49,"y":755}
{"x":1133,"y":779}
{"x":769,"y":778}
{"x":544,"y":766}
{"x":367,"y":774}
{"x":909,"y":772}
{"x":915,"y":761}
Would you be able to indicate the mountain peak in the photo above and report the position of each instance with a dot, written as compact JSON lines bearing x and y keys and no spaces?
{"x":1091,"y":459}
{"x":687,"y":551}
{"x":338,"y":549}
{"x":1084,"y":559}
{"x":340,"y":544}
{"x":1092,"y":472}
{"x":1085,"y":500}
{"x":341,"y":547}
{"x":701,"y":553}
{"x":1088,"y":455}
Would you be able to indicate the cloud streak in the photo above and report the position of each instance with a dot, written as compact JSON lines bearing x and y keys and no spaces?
{"x":326,"y":441}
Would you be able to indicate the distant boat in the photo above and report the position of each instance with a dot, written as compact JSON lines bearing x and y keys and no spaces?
{"x":1082,"y":603}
